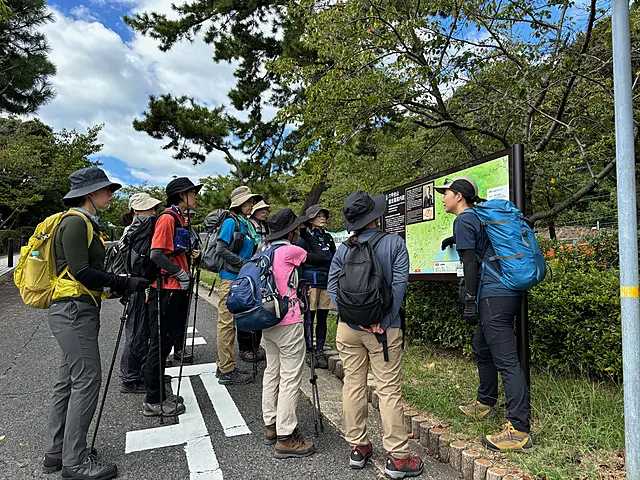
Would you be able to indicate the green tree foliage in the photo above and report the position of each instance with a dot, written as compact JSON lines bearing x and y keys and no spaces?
{"x":120,"y":202}
{"x":480,"y":75}
{"x":25,"y":68}
{"x":35,"y":162}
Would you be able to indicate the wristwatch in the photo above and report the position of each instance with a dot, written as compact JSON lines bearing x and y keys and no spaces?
{"x":468,"y":297}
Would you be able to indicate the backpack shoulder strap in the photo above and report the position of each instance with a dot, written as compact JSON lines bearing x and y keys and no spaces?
{"x":376,"y":239}
{"x":70,"y":213}
{"x":177,"y":221}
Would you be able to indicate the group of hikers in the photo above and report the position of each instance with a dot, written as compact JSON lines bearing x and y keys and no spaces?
{"x":309,"y":273}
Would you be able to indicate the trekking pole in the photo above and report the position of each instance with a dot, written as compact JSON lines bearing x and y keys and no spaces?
{"x":195,"y":309}
{"x":254,"y":349}
{"x":123,"y":320}
{"x":161,"y":361}
{"x":318,"y":423}
{"x":184,"y":346}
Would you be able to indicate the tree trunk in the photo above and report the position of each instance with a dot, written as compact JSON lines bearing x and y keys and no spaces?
{"x":314,"y":196}
{"x":552,"y":230}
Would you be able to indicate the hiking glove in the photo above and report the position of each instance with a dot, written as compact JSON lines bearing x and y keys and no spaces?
{"x":137,"y":284}
{"x":447,"y":242}
{"x":183,"y":278}
{"x":469,"y":314}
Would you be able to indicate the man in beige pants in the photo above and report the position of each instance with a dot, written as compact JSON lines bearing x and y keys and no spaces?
{"x":361,"y":346}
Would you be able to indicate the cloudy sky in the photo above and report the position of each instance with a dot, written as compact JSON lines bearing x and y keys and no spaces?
{"x":106,"y":73}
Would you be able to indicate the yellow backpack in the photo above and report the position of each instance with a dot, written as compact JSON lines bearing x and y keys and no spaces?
{"x":35,"y":274}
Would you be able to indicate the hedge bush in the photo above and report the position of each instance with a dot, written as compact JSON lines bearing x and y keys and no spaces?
{"x":574,"y":314}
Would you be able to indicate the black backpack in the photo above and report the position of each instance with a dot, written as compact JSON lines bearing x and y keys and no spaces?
{"x":136,"y":246}
{"x":364,"y":296}
{"x":114,"y":261}
{"x":212,"y":225}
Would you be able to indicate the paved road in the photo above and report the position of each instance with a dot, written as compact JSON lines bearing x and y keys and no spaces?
{"x":208,"y":440}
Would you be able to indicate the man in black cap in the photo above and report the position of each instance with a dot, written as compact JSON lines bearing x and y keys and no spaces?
{"x":169,"y":247}
{"x":284,"y":344}
{"x":361,"y":346}
{"x":486,"y":297}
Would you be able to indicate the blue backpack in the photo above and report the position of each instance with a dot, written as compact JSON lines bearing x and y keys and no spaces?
{"x":253,"y":298}
{"x":514,"y":243}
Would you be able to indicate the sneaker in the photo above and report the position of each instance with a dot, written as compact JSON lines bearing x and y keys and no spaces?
{"x":218,"y":372}
{"x":293,"y":446}
{"x":475,"y":410}
{"x":270,"y":435}
{"x":133,"y":387}
{"x":407,"y":467}
{"x":359,"y":455}
{"x":248,"y":356}
{"x":186,"y":356}
{"x":51,"y":464}
{"x":234,"y":377}
{"x":509,"y":440}
{"x":167,"y":409}
{"x":321,"y":360}
{"x":308,"y":359}
{"x":91,"y":469}
{"x":173,"y":398}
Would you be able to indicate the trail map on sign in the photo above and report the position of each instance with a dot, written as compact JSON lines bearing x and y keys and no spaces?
{"x":416,"y":212}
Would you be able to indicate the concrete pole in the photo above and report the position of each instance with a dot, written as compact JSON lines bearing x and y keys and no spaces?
{"x":627,"y":232}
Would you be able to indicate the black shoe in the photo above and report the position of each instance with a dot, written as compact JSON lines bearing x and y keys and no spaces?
{"x":91,"y":469}
{"x":186,"y":357}
{"x":51,"y":464}
{"x":234,"y":377}
{"x":133,"y":387}
{"x":321,"y":360}
{"x":167,"y":378}
{"x":359,"y":455}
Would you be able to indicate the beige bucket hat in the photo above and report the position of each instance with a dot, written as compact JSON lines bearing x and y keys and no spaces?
{"x":259,"y":206}
{"x":241,"y":195}
{"x":143,"y":201}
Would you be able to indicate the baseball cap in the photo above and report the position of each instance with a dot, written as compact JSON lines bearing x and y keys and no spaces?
{"x":464,"y":185}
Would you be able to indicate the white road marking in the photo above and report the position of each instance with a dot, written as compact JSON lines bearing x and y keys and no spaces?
{"x":196,"y":341}
{"x":226,"y":409}
{"x":190,"y":331}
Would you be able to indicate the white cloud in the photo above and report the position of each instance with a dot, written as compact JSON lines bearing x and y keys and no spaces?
{"x":80,"y":12}
{"x":102,"y":79}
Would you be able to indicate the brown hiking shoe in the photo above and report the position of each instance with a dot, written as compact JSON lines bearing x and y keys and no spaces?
{"x":293,"y":446}
{"x":475,"y":410}
{"x":509,"y":440}
{"x":270,"y":435}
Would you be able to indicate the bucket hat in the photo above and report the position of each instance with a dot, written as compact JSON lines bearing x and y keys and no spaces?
{"x":241,"y":195}
{"x":88,"y":180}
{"x":313,"y":211}
{"x":259,"y":206}
{"x":180,"y":185}
{"x":143,"y":201}
{"x":283,"y":222}
{"x":360,"y":209}
{"x":464,"y":185}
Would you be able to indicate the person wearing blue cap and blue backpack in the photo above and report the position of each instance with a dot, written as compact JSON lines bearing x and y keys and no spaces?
{"x":501,"y":259}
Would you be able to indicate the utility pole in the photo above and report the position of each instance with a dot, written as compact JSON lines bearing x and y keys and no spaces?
{"x":627,"y":232}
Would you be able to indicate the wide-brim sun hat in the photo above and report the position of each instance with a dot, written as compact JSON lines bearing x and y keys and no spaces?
{"x":241,"y":195}
{"x":143,"y":201}
{"x":466,"y":186}
{"x":360,"y":209}
{"x":89,"y":180}
{"x":181,"y":185}
{"x":313,"y":211}
{"x":259,"y":206}
{"x":282,"y":222}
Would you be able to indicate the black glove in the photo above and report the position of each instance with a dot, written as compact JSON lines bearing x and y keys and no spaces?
{"x":469,"y":314}
{"x":137,"y":284}
{"x":447,"y":242}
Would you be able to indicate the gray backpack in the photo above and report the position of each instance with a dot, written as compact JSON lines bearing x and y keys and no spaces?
{"x":212,"y":225}
{"x":364,"y":296}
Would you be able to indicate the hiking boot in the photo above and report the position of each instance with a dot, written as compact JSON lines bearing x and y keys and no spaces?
{"x":293,"y":446}
{"x":218,"y":372}
{"x":91,"y":469}
{"x":51,"y":464}
{"x":133,"y":387}
{"x":321,"y":360}
{"x":234,"y":377}
{"x":308,"y":359}
{"x":248,"y":356}
{"x":270,"y":435}
{"x":173,"y":398}
{"x":509,"y":440}
{"x":167,"y":409}
{"x":475,"y":410}
{"x":186,"y":356}
{"x":359,"y":455}
{"x":407,"y":467}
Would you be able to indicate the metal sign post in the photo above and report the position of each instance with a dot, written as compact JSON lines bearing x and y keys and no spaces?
{"x":627,"y":232}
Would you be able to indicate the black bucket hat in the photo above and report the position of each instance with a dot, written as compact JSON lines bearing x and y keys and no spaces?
{"x":283,"y":222}
{"x":88,"y":180}
{"x":313,"y":211}
{"x":360,"y":209}
{"x":180,"y":185}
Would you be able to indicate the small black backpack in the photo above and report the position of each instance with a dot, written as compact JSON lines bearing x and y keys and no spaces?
{"x":364,"y":296}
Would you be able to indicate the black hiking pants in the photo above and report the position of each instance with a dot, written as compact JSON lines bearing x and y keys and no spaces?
{"x":134,"y":355}
{"x":494,"y":345}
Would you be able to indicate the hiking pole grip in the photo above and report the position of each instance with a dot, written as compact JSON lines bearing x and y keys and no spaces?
{"x":123,"y":320}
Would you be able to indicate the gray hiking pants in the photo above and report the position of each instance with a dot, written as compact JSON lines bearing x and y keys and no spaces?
{"x":75,"y":325}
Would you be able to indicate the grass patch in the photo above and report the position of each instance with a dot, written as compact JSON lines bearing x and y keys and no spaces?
{"x":577,"y":424}
{"x":207,"y":277}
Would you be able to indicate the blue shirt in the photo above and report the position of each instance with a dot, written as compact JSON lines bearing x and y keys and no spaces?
{"x":470,"y":235}
{"x":394,"y":259}
{"x":246,"y":252}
